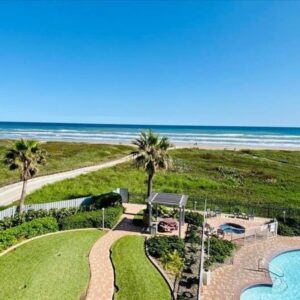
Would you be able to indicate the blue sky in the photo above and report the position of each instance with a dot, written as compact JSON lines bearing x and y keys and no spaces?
{"x":151,"y":62}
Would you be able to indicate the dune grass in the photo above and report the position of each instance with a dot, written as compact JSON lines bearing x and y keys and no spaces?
{"x":51,"y":267}
{"x":136,"y":277}
{"x":213,"y":174}
{"x":65,"y":156}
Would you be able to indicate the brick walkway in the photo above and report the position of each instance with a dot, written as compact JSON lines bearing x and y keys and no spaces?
{"x":229,"y":280}
{"x":101,"y":286}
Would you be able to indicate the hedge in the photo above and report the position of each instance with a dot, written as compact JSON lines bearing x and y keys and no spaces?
{"x":107,"y":200}
{"x":30,"y":215}
{"x":194,"y":218}
{"x":159,"y":246}
{"x":92,"y":219}
{"x":27,"y":230}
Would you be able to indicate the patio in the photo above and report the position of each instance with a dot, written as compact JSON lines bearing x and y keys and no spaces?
{"x":228,"y":281}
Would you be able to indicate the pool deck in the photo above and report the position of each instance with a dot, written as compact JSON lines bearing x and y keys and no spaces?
{"x":228,"y":281}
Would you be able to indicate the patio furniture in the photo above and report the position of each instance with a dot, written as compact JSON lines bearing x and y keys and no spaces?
{"x":218,"y":211}
{"x":167,"y":225}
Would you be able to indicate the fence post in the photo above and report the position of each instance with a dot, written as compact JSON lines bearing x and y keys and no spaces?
{"x":102,"y":218}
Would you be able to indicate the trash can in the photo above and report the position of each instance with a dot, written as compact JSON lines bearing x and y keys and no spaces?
{"x":153,"y":228}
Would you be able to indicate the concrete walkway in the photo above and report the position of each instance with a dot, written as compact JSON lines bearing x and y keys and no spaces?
{"x":101,"y":286}
{"x":228,"y":281}
{"x":12,"y":192}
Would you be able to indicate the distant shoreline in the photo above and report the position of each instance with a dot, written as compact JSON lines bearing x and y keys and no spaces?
{"x":205,"y":137}
{"x":179,"y":145}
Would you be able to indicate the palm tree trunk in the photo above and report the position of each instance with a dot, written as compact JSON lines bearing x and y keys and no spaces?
{"x":22,"y":199}
{"x":149,"y":184}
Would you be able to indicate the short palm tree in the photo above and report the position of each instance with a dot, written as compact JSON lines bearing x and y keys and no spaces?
{"x":25,"y":156}
{"x":152,"y":155}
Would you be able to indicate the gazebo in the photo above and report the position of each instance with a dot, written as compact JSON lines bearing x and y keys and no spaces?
{"x":168,"y":199}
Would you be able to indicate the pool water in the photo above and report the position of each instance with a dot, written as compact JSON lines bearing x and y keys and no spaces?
{"x":286,"y":284}
{"x":234,"y":228}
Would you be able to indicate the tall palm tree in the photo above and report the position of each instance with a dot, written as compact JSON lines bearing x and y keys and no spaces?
{"x":25,"y":156}
{"x":152,"y":155}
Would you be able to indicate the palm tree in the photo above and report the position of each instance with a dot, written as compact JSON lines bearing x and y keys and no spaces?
{"x":152,"y":155}
{"x":25,"y":156}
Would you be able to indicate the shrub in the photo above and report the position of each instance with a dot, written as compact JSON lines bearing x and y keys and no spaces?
{"x":92,"y":219}
{"x":193,"y":218}
{"x":289,"y":226}
{"x":30,"y":215}
{"x":106,"y":200}
{"x":159,"y":246}
{"x":219,"y":250}
{"x":31,"y":229}
{"x":173,"y":263}
{"x":193,"y":235}
{"x":285,"y":230}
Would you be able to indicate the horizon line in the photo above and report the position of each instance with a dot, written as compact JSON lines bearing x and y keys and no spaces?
{"x":157,"y":125}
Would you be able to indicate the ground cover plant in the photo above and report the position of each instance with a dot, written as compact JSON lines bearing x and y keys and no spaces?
{"x":136,"y":277}
{"x":73,"y":155}
{"x":52,"y":267}
{"x":225,"y":176}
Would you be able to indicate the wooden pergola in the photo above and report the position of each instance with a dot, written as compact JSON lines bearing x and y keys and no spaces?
{"x":168,"y":199}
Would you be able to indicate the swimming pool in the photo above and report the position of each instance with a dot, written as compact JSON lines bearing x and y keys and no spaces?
{"x":231,"y":227}
{"x":285,"y":286}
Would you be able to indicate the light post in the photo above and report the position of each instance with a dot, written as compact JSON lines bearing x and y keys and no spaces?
{"x":102,"y":218}
{"x":284,"y":212}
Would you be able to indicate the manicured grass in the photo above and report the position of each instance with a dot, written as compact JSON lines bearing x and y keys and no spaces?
{"x":65,"y":156}
{"x":136,"y":277}
{"x":212,"y":174}
{"x":51,"y":267}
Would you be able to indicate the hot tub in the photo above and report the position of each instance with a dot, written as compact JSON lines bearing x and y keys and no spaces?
{"x":232,"y":228}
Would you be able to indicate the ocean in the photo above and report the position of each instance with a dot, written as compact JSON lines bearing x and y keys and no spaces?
{"x":227,"y":136}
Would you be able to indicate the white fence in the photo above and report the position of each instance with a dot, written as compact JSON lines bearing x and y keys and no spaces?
{"x":9,"y":212}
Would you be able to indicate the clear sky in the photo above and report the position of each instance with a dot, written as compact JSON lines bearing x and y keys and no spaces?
{"x":151,"y":62}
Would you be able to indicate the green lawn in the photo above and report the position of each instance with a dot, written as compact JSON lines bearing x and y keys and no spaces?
{"x":52,"y":267}
{"x":65,"y":156}
{"x":258,"y":177}
{"x":136,"y":277}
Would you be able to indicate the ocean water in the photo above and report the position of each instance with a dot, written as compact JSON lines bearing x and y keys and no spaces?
{"x":281,"y":137}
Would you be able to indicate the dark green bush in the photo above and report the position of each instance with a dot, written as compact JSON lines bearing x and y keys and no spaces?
{"x":26,"y":230}
{"x":289,"y":226}
{"x":285,"y":230}
{"x":193,"y":235}
{"x":18,"y":219}
{"x":92,"y":219}
{"x":194,"y":218}
{"x":107,"y":200}
{"x":159,"y":246}
{"x":219,"y":250}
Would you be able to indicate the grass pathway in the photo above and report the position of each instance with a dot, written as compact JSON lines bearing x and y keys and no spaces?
{"x":52,"y":267}
{"x":136,"y":277}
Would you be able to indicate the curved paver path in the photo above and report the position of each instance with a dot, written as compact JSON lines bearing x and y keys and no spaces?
{"x":101,"y":286}
{"x":12,"y":192}
{"x":229,"y":280}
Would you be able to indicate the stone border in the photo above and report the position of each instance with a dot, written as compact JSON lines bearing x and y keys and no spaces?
{"x":268,"y":281}
{"x":14,"y":247}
